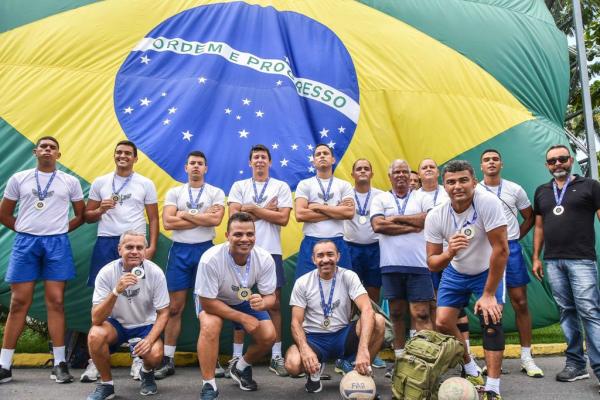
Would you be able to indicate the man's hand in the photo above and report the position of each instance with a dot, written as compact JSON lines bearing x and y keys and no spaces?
{"x":250,"y":324}
{"x":149,"y":252}
{"x":538,"y":269}
{"x":456,"y":243}
{"x":106,"y":204}
{"x":489,"y":308}
{"x":316,"y":207}
{"x":256,"y":302}
{"x":142,"y":348}
{"x":363,"y":362}
{"x":310,"y":361}
{"x":215,"y":208}
{"x":346,"y":203}
{"x":272,"y":204}
{"x":126,"y":280}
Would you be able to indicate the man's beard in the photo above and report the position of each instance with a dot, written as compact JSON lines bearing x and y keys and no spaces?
{"x":562,"y":174}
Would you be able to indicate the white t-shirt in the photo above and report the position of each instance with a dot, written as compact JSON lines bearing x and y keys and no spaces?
{"x":267,"y":234}
{"x":306,"y":295}
{"x":180,"y":198}
{"x":216,"y":278}
{"x":137,"y":305}
{"x":440,"y":226}
{"x":356,"y":232}
{"x":53,"y":219}
{"x":514,"y":199}
{"x":401,"y":253}
{"x":128,"y":214}
{"x":435,"y":197}
{"x":310,"y":190}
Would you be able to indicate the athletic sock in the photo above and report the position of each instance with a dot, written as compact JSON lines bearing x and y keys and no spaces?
{"x":471,"y":368}
{"x":212,"y":382}
{"x":468,"y":343}
{"x":398,"y":352}
{"x":238,"y":349}
{"x":412,"y":332}
{"x":59,"y":354}
{"x":276,"y":351}
{"x":111,"y":383}
{"x":492,"y":384}
{"x":526,"y":353}
{"x":170,"y":351}
{"x":316,"y":377}
{"x":6,"y":356}
{"x":146,"y":370}
{"x":242,"y":364}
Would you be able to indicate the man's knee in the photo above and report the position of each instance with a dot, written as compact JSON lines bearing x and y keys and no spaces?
{"x":265,"y":334}
{"x":97,"y":337}
{"x":492,"y":335}
{"x":20,"y":304}
{"x":175,"y":310}
{"x":519,"y":304}
{"x":444,"y":323}
{"x":56,"y":305}
{"x":397,"y":313}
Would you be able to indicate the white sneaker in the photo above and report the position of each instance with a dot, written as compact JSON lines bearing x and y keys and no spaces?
{"x":531,"y":369}
{"x":91,"y":373}
{"x":136,"y":367}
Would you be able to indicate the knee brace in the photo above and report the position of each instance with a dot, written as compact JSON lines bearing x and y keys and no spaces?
{"x":463,"y":327}
{"x":492,"y":335}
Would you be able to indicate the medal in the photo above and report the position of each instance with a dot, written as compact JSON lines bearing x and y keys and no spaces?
{"x":362,"y":210}
{"x":39,"y":205}
{"x":326,"y":196}
{"x":259,"y":198}
{"x":468,"y":231}
{"x":42,"y":194}
{"x":327,"y":308}
{"x":326,"y":323}
{"x":138,"y":272}
{"x":467,"y":228}
{"x":115,"y":196}
{"x":559,"y":209}
{"x":244,"y":293}
{"x":193,"y":211}
{"x":194,"y":202}
{"x":402,"y":208}
{"x":362,"y":220}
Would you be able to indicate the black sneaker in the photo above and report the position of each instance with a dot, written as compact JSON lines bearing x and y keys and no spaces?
{"x":148,"y":386}
{"x":102,"y":392}
{"x":243,"y":378}
{"x":572,"y":374}
{"x":5,"y":375}
{"x":208,"y":392}
{"x":60,"y":373}
{"x":313,"y":386}
{"x":166,"y":369}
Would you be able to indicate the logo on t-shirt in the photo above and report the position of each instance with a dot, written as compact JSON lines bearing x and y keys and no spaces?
{"x":131,"y":293}
{"x":36,"y":194}
{"x":124,"y":197}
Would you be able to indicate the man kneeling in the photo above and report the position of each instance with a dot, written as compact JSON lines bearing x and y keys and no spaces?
{"x":226,"y":274}
{"x":321,"y":307}
{"x":131,"y":301}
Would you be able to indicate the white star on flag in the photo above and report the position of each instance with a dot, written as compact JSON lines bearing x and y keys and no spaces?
{"x":331,"y":144}
{"x":284,"y":162}
{"x":145,"y":60}
{"x":246,"y":101}
{"x":241,"y":172}
{"x":163,"y":94}
{"x":172,"y":110}
{"x":259,"y":114}
{"x":238,"y":117}
{"x":311,"y":169}
{"x":228,"y":111}
{"x":166,"y":121}
{"x":275,"y":146}
{"x":341,"y":129}
{"x":324,"y":132}
{"x":311,"y":158}
{"x":310,"y":147}
{"x":243,"y":133}
{"x":145,"y":101}
{"x":128,"y":110}
{"x":187,"y":136}
{"x":294,"y":146}
{"x":202,"y":80}
{"x":279,"y":83}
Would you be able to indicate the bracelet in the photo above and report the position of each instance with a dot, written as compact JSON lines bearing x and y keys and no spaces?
{"x":114,"y":291}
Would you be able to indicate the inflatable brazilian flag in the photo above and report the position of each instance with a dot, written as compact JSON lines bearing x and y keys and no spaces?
{"x":377,"y":79}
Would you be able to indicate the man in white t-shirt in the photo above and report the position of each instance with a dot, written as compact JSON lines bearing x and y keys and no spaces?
{"x":41,"y":249}
{"x":191,"y":211}
{"x":398,"y":216}
{"x":322,"y":204}
{"x":474,"y":226}
{"x":514,"y":201}
{"x":269,"y":201}
{"x":321,"y":309}
{"x":226,"y":275}
{"x":117,"y":201}
{"x":130,"y":304}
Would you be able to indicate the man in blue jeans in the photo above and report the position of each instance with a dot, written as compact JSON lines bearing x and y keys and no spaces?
{"x":564,"y":226}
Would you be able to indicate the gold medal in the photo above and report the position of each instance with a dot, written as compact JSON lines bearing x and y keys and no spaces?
{"x":244,"y":293}
{"x":326,"y":323}
{"x":39,"y":205}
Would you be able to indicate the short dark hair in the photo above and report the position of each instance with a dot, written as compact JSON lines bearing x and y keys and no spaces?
{"x":322,"y":144}
{"x":259,"y":147}
{"x":458,"y":166}
{"x":361,"y":159}
{"x":558,"y":146}
{"x":128,"y":143}
{"x":414,"y":172}
{"x":239,"y":217}
{"x":47,"y":138}
{"x":196,"y":153}
{"x":324,"y":241}
{"x":490,"y":151}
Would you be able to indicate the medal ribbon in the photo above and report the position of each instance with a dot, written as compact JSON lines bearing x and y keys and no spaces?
{"x":402,"y":208}
{"x":242,"y":278}
{"x":559,"y":198}
{"x":257,"y":198}
{"x":194,"y":203}
{"x":327,"y":307}
{"x":490,"y":190}
{"x":362,"y":210}
{"x":326,"y":195}
{"x":467,"y":222}
{"x":115,"y":191}
{"x":435,"y":195}
{"x":42,"y":194}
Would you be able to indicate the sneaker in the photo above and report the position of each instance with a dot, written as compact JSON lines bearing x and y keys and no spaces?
{"x":90,"y":374}
{"x":167,"y":368}
{"x":491,"y":395}
{"x":102,"y":392}
{"x":389,"y":370}
{"x":312,"y":386}
{"x":136,"y":366}
{"x":148,"y":386}
{"x":343,"y":366}
{"x":531,"y":369}
{"x":243,"y":378}
{"x":60,"y":373}
{"x":219,"y":371}
{"x":278,"y":366}
{"x":476,"y":381}
{"x":572,"y":374}
{"x":229,"y":365}
{"x":378,"y":363}
{"x":208,"y":392}
{"x":5,"y":375}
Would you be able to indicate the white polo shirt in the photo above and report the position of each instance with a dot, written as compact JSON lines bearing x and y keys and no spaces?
{"x":356,"y":232}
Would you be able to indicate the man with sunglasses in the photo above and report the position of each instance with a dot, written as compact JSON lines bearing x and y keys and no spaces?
{"x":564,"y":227}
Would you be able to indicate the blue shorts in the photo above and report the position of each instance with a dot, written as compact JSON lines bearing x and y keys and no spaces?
{"x":105,"y":250}
{"x":304,"y":262}
{"x":48,"y":258}
{"x":334,"y":345}
{"x":124,"y":334}
{"x":516,"y":271}
{"x":242,"y":307}
{"x":278,"y":258}
{"x":182,"y":264}
{"x":408,"y":286}
{"x":436,"y":278}
{"x":365,"y":262}
{"x":456,"y":288}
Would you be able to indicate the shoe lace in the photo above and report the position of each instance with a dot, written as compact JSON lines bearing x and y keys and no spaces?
{"x":529,"y":364}
{"x":279,"y":362}
{"x":231,"y":362}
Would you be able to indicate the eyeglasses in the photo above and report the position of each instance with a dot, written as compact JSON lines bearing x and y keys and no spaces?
{"x":553,"y":160}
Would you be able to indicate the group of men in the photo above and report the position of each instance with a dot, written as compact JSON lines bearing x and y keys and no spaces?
{"x":428,"y":248}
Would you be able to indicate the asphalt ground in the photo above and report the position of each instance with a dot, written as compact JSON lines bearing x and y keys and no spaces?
{"x":34,"y":383}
